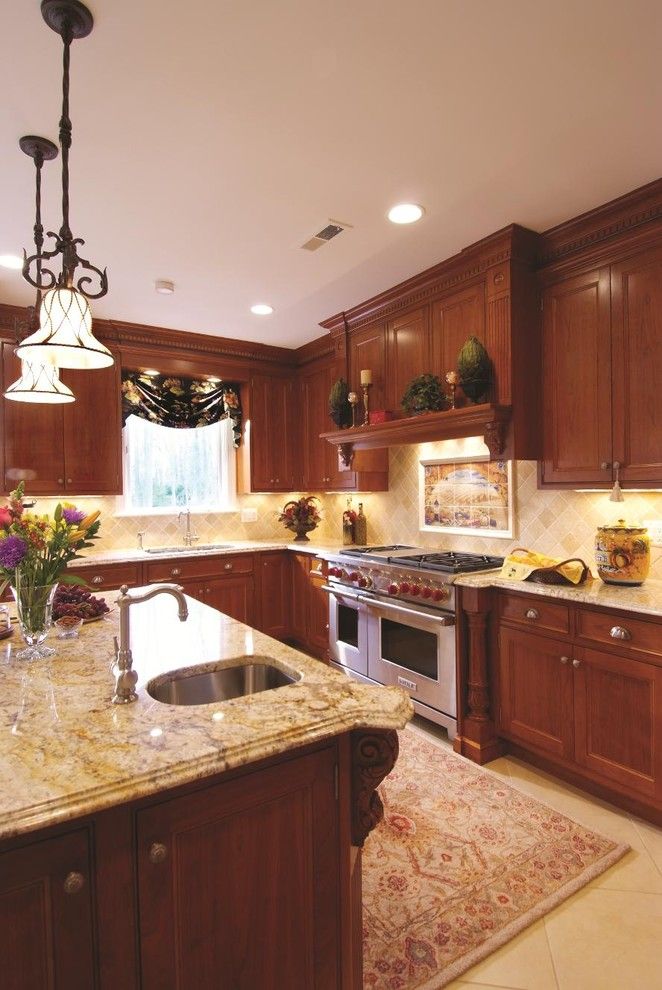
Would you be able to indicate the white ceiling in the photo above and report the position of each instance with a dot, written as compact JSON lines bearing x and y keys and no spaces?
{"x":212,"y":138}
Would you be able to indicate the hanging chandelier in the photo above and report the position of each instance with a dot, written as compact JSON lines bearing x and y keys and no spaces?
{"x":39,"y":380}
{"x":64,"y":337}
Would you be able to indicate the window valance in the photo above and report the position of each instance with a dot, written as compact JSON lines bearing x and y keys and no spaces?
{"x":181,"y":403}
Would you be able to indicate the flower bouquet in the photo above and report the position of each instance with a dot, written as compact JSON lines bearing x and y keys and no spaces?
{"x":301,"y":516}
{"x":34,"y":551}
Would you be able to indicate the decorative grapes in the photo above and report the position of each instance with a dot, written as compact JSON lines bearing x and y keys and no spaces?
{"x":78,"y":601}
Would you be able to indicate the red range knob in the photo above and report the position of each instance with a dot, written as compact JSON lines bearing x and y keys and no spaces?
{"x":334,"y":571}
{"x":364,"y":582}
{"x":440,"y":594}
{"x":404,"y":587}
{"x":393,"y":589}
{"x":354,"y":576}
{"x":415,"y":589}
{"x":426,"y":592}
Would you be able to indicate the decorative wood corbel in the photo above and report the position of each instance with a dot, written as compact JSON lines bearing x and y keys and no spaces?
{"x":374,"y":753}
{"x":495,"y":438}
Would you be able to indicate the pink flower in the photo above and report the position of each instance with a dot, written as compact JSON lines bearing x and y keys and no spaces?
{"x":5,"y":518}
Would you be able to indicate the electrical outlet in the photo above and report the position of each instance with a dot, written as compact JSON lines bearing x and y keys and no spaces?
{"x":250,"y":515}
{"x":654,"y":527}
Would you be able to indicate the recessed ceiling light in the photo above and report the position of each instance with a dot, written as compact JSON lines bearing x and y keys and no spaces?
{"x":164,"y":286}
{"x":405,"y":213}
{"x":11,"y":261}
{"x":262,"y":309}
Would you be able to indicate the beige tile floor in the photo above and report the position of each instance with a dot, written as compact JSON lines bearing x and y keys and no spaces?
{"x":608,"y":936}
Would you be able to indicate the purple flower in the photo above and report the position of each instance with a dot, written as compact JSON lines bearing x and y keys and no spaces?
{"x":12,"y":552}
{"x":73,"y":516}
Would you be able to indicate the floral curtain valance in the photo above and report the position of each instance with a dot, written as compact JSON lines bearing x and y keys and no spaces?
{"x":181,"y":403}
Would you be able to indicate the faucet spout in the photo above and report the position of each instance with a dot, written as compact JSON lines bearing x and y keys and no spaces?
{"x":125,"y":682}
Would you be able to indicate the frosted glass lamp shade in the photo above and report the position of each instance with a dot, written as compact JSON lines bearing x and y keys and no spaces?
{"x":39,"y":383}
{"x":65,"y":337}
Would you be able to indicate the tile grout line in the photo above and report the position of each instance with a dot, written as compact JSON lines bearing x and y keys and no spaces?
{"x":549,"y":946}
{"x":642,"y":836}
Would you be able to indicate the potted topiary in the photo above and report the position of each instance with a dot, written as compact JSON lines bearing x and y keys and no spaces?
{"x":475,"y":368}
{"x":423,"y":394}
{"x":340,"y":410}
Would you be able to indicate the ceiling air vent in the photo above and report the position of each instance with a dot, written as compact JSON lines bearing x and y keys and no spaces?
{"x":332,"y":229}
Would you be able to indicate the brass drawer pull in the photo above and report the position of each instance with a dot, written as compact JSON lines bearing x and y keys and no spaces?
{"x":620,"y":632}
{"x":74,"y":883}
{"x":157,"y":853}
{"x":532,"y":614}
{"x":227,"y":567}
{"x":98,"y":579}
{"x":176,"y":571}
{"x":576,"y":663}
{"x":565,"y":659}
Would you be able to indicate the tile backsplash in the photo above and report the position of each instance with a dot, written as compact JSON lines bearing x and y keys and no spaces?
{"x":558,"y":523}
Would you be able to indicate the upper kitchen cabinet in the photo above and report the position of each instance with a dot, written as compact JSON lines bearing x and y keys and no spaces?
{"x":267,"y":455}
{"x":76,"y":448}
{"x":407,"y":352}
{"x":455,"y":317}
{"x":367,"y":350}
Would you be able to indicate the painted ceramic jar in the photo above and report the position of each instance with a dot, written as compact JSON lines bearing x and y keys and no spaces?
{"x":622,"y":553}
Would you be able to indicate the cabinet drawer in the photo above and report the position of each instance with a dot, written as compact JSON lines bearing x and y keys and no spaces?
{"x":627,"y":633}
{"x":192,"y":567}
{"x":108,"y":576}
{"x":535,"y":612}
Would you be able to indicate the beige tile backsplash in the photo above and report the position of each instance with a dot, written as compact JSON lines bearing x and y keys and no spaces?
{"x":558,"y":523}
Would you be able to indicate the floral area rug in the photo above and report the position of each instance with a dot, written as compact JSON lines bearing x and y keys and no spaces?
{"x":460,"y":864}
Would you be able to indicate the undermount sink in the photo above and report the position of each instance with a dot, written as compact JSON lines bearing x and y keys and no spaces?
{"x":180,"y":549}
{"x":205,"y":685}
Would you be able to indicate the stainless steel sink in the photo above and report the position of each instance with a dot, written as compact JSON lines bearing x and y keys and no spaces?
{"x":196,"y":686}
{"x":199,"y":549}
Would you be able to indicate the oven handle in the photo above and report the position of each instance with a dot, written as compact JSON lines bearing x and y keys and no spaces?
{"x":442,"y":620}
{"x":341,"y":593}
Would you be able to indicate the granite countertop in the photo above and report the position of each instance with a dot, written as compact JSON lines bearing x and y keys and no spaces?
{"x":129,"y":555}
{"x":66,"y":751}
{"x":646,"y":598}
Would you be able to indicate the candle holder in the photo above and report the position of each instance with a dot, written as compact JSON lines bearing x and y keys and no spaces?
{"x":452,"y":380}
{"x":353,"y":400}
{"x":365,"y":388}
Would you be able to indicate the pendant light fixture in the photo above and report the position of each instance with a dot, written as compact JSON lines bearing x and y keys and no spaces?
{"x":65,"y":337}
{"x":39,"y":381}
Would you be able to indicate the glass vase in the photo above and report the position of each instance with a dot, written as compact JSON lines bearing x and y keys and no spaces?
{"x":34,"y":607}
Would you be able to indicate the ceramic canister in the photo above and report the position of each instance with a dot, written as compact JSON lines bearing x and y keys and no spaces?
{"x":622,"y":553}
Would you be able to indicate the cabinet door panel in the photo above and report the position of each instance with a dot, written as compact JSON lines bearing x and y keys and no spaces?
{"x":408,"y":353}
{"x":315,"y":420}
{"x":367,"y":349}
{"x":618,"y":720}
{"x":536,"y":691}
{"x":318,"y":613}
{"x":271,"y":434}
{"x":33,"y":444}
{"x":275,"y":594}
{"x":299,"y":569}
{"x":577,"y":381}
{"x":454,"y":318}
{"x":233,"y":596}
{"x":46,"y":937}
{"x":637,"y":367}
{"x":93,"y":432}
{"x":247,"y":895}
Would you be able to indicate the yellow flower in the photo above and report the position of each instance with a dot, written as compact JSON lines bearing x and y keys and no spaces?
{"x":89,"y":520}
{"x":76,"y":536}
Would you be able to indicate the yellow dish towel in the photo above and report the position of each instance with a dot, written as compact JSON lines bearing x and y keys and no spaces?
{"x":520,"y":563}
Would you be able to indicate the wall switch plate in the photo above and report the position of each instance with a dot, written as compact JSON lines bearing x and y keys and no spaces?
{"x":654,"y":527}
{"x":250,"y":515}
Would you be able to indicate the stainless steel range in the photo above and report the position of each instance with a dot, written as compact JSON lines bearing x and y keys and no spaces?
{"x":392,"y":621}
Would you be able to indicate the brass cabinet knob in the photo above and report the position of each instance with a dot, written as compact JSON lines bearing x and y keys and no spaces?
{"x":157,"y":853}
{"x":176,"y":571}
{"x":565,"y":659}
{"x":532,"y":614}
{"x":60,"y":481}
{"x":98,"y":579}
{"x":620,"y":632}
{"x":227,"y":567}
{"x":73,"y":882}
{"x":70,"y":481}
{"x":605,"y":466}
{"x":576,"y":662}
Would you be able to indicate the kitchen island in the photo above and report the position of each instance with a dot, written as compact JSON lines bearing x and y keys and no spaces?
{"x":171,"y":846}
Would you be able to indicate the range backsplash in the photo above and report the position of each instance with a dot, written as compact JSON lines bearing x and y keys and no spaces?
{"x":558,"y":523}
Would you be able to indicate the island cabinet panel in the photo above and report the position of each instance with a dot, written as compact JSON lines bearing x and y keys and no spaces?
{"x":618,"y":720}
{"x":65,"y":449}
{"x":535,"y":691}
{"x":46,"y":933}
{"x":238,"y":884}
{"x":408,"y":352}
{"x":577,"y":409}
{"x":275,"y":593}
{"x":455,"y":317}
{"x":636,"y":287}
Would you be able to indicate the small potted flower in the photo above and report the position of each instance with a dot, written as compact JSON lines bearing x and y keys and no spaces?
{"x":301,"y":516}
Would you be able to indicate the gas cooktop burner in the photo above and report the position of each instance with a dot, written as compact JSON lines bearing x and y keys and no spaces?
{"x":361,"y":551}
{"x":453,"y":563}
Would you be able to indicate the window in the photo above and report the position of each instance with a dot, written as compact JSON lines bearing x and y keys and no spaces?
{"x":166,"y":470}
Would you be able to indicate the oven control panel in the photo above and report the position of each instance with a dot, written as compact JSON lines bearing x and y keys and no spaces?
{"x":417,"y":586}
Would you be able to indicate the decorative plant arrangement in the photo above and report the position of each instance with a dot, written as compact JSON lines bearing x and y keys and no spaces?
{"x":340,"y":409}
{"x":34,"y":551}
{"x":301,"y":516}
{"x":423,"y":394}
{"x":475,"y":368}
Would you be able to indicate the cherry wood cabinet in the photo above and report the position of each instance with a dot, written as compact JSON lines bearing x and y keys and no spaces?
{"x":46,"y":915}
{"x":367,"y":349}
{"x":309,"y":628}
{"x":407,"y":353}
{"x":455,"y":317}
{"x":268,"y":453}
{"x":76,"y":448}
{"x":275,"y":593}
{"x":108,"y":577}
{"x":235,"y":596}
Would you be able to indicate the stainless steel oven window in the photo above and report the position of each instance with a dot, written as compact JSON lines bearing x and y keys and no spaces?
{"x":348,"y":625}
{"x":410,"y":647}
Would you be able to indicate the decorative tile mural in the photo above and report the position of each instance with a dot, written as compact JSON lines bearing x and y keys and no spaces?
{"x":467,"y":497}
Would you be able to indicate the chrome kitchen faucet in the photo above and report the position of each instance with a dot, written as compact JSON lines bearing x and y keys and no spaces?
{"x":125,"y":682}
{"x":189,"y":537}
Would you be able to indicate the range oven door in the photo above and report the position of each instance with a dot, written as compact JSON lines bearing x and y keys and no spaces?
{"x":414,"y":650}
{"x":348,"y":630}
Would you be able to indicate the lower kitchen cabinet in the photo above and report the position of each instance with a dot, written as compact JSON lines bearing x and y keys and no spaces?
{"x":234,"y":596}
{"x":46,"y":929}
{"x":224,"y":582}
{"x":274,"y":582}
{"x":235,"y":867}
{"x":310,"y":605}
{"x":108,"y":577}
